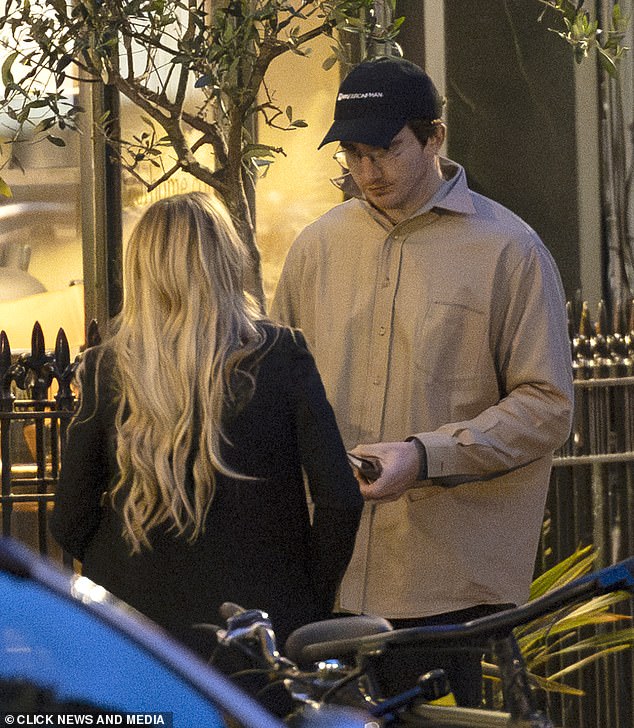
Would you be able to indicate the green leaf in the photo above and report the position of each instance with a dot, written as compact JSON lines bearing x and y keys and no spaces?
{"x":587,"y":660}
{"x":492,"y":672}
{"x":304,"y":52}
{"x":329,"y":62}
{"x":591,"y":627}
{"x":203,"y":81}
{"x":262,"y":166}
{"x":7,"y":76}
{"x":604,"y":639}
{"x":357,"y":23}
{"x":44,"y":125}
{"x":607,"y":63}
{"x":57,"y":141}
{"x":64,"y":61}
{"x":559,"y":574}
{"x":253,"y":151}
{"x":5,"y":190}
{"x":555,"y":686}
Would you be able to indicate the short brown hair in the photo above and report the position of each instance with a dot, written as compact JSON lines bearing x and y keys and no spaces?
{"x":423,"y":129}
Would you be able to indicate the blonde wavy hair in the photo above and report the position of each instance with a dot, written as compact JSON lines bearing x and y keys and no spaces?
{"x":180,"y":341}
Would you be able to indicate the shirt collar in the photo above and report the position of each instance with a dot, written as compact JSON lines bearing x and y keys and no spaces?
{"x":453,"y":195}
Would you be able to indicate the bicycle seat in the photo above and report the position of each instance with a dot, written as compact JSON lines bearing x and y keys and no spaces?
{"x":356,"y":625}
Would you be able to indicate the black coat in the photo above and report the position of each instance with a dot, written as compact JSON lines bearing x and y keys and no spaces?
{"x":259,"y":548}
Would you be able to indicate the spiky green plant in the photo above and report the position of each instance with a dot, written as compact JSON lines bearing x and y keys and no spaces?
{"x":579,"y":636}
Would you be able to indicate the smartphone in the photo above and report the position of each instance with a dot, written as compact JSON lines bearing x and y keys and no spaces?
{"x":370,"y":468}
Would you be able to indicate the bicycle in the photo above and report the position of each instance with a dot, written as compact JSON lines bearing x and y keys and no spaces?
{"x":333,"y":662}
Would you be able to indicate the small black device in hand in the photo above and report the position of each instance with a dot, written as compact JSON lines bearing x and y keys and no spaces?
{"x":368,"y":467}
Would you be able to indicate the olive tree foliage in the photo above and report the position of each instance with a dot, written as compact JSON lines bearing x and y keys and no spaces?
{"x":586,"y":33}
{"x":159,"y":54}
{"x":606,"y":36}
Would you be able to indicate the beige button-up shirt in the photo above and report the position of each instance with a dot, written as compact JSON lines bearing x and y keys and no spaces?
{"x":449,"y":326}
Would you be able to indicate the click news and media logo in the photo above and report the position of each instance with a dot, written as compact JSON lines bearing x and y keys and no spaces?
{"x":98,"y":718}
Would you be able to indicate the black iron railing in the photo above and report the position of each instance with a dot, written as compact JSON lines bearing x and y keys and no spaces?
{"x":37,"y":402}
{"x":591,"y":501}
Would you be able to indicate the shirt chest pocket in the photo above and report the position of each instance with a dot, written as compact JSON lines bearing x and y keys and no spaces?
{"x":451,"y":342}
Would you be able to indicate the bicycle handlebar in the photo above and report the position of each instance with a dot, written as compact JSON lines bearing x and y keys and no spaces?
{"x":618,"y":577}
{"x":250,"y":624}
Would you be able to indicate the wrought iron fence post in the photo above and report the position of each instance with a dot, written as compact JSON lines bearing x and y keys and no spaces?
{"x":6,"y":405}
{"x":40,"y":367}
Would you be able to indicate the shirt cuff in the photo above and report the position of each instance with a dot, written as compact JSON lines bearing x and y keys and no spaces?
{"x":422,"y":458}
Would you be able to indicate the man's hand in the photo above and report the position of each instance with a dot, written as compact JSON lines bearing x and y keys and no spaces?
{"x":399,"y":468}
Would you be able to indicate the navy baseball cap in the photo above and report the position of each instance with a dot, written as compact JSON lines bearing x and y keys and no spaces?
{"x":378,"y":97}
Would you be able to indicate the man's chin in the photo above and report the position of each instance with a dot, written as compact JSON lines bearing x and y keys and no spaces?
{"x":380,"y":198}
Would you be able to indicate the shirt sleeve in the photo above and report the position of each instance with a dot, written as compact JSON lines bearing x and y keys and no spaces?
{"x":333,"y":487}
{"x":83,"y":476}
{"x":533,"y":362}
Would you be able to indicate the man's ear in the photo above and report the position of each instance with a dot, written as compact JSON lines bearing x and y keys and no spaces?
{"x":437,"y":139}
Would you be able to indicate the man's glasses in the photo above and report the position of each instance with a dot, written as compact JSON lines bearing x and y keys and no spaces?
{"x":350,"y":159}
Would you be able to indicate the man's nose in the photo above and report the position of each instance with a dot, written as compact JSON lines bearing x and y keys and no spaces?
{"x":368,"y":168}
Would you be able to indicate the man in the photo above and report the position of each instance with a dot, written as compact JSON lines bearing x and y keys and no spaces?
{"x":437,"y":319}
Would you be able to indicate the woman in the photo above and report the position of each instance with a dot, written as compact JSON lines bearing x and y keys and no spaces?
{"x":181,"y":485}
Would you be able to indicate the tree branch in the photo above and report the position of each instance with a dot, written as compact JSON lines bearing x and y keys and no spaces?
{"x":214,"y":134}
{"x":185,"y":73}
{"x":269,"y":51}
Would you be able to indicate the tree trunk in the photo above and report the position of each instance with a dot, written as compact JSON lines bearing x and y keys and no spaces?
{"x":239,"y":209}
{"x":238,"y":204}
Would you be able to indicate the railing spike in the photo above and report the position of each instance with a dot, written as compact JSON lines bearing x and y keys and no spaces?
{"x":585,"y":325}
{"x":618,"y":317}
{"x":602,"y":319}
{"x":570,"y":318}
{"x":5,"y":353}
{"x":6,"y":395}
{"x":576,"y":306}
{"x":62,"y":351}
{"x":37,"y":342}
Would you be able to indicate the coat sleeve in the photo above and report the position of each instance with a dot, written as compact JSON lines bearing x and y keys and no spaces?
{"x":534,"y":367}
{"x":83,"y":477}
{"x":333,"y":487}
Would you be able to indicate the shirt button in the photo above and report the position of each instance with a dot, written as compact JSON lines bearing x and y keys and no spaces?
{"x":386,"y":282}
{"x":382,"y":331}
{"x":377,"y":380}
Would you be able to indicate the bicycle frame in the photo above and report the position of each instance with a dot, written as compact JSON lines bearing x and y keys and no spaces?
{"x":518,"y":696}
{"x":333,"y":641}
